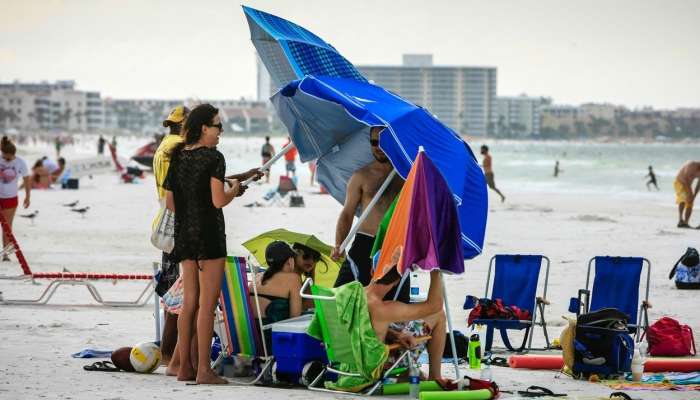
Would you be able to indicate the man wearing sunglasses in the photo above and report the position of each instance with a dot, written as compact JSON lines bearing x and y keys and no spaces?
{"x":362,"y":187}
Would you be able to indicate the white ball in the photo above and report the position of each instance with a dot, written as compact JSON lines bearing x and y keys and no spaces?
{"x":145,"y":357}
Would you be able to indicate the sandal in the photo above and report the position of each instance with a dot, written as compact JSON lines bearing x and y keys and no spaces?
{"x":539,"y":391}
{"x":106,"y":366}
{"x":500,"y":362}
{"x":620,"y":396}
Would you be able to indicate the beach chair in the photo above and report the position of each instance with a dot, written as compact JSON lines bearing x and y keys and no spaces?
{"x":237,"y":327}
{"x":286,"y":185}
{"x":337,"y":342}
{"x":616,"y":285}
{"x":515,"y":282}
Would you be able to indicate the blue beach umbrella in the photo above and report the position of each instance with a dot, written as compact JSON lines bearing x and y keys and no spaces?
{"x":329,"y":119}
{"x":290,"y":52}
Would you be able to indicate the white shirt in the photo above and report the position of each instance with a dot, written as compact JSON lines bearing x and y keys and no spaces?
{"x":10,"y":172}
{"x":50,"y":164}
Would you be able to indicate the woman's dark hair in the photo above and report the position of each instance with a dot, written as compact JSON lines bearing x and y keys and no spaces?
{"x":272,"y":270}
{"x":203,"y":114}
{"x":7,"y":147}
{"x":390,"y":277}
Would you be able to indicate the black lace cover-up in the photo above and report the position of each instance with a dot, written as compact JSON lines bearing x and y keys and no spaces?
{"x":200,"y":232}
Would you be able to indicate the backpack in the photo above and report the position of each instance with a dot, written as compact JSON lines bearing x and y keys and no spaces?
{"x":494,"y":309}
{"x":667,"y":337}
{"x":687,"y":270}
{"x":602,"y":344}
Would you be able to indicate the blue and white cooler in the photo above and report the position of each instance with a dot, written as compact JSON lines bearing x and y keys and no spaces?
{"x":298,"y":357}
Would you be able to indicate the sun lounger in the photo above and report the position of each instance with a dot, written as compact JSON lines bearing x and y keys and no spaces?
{"x":616,"y":285}
{"x":515,"y":282}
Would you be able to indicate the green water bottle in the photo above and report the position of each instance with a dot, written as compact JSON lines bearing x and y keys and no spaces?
{"x":474,"y":352}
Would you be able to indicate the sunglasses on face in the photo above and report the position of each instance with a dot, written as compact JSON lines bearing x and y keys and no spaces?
{"x":374,"y":142}
{"x":307,"y":256}
{"x":219,"y":125}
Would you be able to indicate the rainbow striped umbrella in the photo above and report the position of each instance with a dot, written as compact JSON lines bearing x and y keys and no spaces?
{"x":425,"y":224}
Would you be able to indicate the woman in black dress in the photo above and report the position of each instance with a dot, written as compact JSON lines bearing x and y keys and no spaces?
{"x":195,"y":190}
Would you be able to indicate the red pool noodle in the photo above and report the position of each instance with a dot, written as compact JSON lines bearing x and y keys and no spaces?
{"x":672,"y":365}
{"x":651,"y":365}
{"x":536,"y":361}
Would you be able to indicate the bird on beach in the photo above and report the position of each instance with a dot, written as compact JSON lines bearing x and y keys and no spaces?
{"x":81,"y":211}
{"x":31,"y":216}
{"x":73,"y":204}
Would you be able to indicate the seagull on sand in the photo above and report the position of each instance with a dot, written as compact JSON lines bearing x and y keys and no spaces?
{"x":73,"y":204}
{"x":31,"y":216}
{"x":81,"y":211}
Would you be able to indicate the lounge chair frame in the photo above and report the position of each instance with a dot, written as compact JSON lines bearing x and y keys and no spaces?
{"x":643,"y":306}
{"x":540,"y":303}
{"x":328,"y":368}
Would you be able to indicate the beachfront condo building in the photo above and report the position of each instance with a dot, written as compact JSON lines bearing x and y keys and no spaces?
{"x":464,"y":98}
{"x":520,"y":116}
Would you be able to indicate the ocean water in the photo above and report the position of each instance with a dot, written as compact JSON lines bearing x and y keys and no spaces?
{"x":616,"y":168}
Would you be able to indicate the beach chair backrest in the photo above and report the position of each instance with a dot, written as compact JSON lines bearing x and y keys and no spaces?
{"x":239,"y":320}
{"x":616,"y":284}
{"x":286,"y":185}
{"x":515,"y":280}
{"x":336,"y":340}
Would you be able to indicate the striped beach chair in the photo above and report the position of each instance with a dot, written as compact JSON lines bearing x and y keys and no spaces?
{"x":239,"y":330}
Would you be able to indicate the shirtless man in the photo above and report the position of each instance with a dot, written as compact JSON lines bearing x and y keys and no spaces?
{"x":685,"y":196}
{"x":488,"y":171}
{"x":362,"y":187}
{"x":386,"y":314}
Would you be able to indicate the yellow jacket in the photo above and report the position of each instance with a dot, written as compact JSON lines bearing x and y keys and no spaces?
{"x":161,"y":161}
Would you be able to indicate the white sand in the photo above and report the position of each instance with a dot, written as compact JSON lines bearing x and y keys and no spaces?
{"x":36,"y":341}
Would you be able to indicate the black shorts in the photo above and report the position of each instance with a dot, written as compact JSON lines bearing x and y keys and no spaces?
{"x":360,"y":252}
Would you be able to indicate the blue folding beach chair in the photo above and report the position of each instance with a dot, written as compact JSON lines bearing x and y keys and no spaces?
{"x":515,"y":282}
{"x":616,"y":285}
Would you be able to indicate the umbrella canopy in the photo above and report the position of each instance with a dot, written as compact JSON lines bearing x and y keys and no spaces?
{"x":329,"y":119}
{"x":289,"y":51}
{"x":424,"y":224}
{"x":326,"y":270}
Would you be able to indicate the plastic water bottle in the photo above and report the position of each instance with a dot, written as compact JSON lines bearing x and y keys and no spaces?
{"x":637,"y":367}
{"x":474,"y":352}
{"x":413,"y":378}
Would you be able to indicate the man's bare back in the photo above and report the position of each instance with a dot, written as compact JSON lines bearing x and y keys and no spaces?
{"x":487,"y":164}
{"x":688,"y":172}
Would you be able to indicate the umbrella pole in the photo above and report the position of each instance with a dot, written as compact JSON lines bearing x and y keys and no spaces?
{"x":274,"y":158}
{"x":449,"y":325}
{"x":366,"y":211}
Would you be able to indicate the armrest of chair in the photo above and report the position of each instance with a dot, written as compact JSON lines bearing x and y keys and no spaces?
{"x":419,"y":340}
{"x":575,"y":303}
{"x":646,"y":305}
{"x":542,"y":300}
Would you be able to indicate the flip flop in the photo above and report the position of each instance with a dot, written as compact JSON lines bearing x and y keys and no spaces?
{"x":539,"y":391}
{"x":500,"y":362}
{"x":106,"y":366}
{"x":620,"y":395}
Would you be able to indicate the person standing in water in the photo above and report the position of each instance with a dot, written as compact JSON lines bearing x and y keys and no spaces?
{"x":488,"y":171}
{"x":652,"y":179}
{"x":556,"y":169}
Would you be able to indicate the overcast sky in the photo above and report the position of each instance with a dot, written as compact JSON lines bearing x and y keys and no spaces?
{"x":634,"y":53}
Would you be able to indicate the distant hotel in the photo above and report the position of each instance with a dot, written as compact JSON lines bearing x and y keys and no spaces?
{"x":464,"y":98}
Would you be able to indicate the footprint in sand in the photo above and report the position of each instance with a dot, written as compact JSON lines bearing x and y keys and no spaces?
{"x":593,"y":218}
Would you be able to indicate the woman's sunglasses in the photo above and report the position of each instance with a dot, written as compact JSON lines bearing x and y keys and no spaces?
{"x":219,"y":125}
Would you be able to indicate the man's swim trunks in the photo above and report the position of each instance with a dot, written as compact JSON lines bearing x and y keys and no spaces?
{"x":681,"y":193}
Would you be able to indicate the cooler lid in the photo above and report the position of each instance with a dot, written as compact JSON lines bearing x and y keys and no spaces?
{"x":293,"y":325}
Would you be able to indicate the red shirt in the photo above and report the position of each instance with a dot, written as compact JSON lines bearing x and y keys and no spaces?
{"x":291,"y":154}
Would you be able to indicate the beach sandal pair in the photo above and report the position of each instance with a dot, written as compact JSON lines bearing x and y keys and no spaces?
{"x":539,"y":391}
{"x":497,"y":361}
{"x":106,"y":366}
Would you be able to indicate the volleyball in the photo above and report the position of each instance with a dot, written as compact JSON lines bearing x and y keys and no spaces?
{"x":145,"y":357}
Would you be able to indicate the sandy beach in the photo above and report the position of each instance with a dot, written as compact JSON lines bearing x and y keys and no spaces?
{"x":36,"y":341}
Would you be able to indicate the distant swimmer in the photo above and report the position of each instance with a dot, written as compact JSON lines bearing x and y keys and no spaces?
{"x":488,"y":171}
{"x":652,"y":179}
{"x":685,"y":196}
{"x":556,"y":169}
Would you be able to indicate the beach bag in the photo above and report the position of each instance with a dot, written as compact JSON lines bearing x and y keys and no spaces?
{"x":602,"y":344}
{"x":494,"y":309}
{"x":163,"y":234}
{"x":296,"y":200}
{"x":687,"y":270}
{"x":667,"y":337}
{"x":461,"y":344}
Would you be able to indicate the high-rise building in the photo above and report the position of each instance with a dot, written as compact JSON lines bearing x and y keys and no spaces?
{"x":520,"y":116}
{"x":464,"y":98}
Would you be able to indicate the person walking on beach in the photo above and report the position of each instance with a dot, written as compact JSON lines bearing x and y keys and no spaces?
{"x":11,"y":169}
{"x":58,"y":144}
{"x":114,"y":143}
{"x":652,"y":179}
{"x":101,"y":145}
{"x":488,"y":171}
{"x":267,"y":152}
{"x":196,"y":191}
{"x":685,"y":196}
{"x":170,"y":269}
{"x":290,"y":157}
{"x":361,"y":188}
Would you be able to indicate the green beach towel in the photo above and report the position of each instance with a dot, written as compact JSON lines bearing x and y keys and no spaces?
{"x":366,"y":355}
